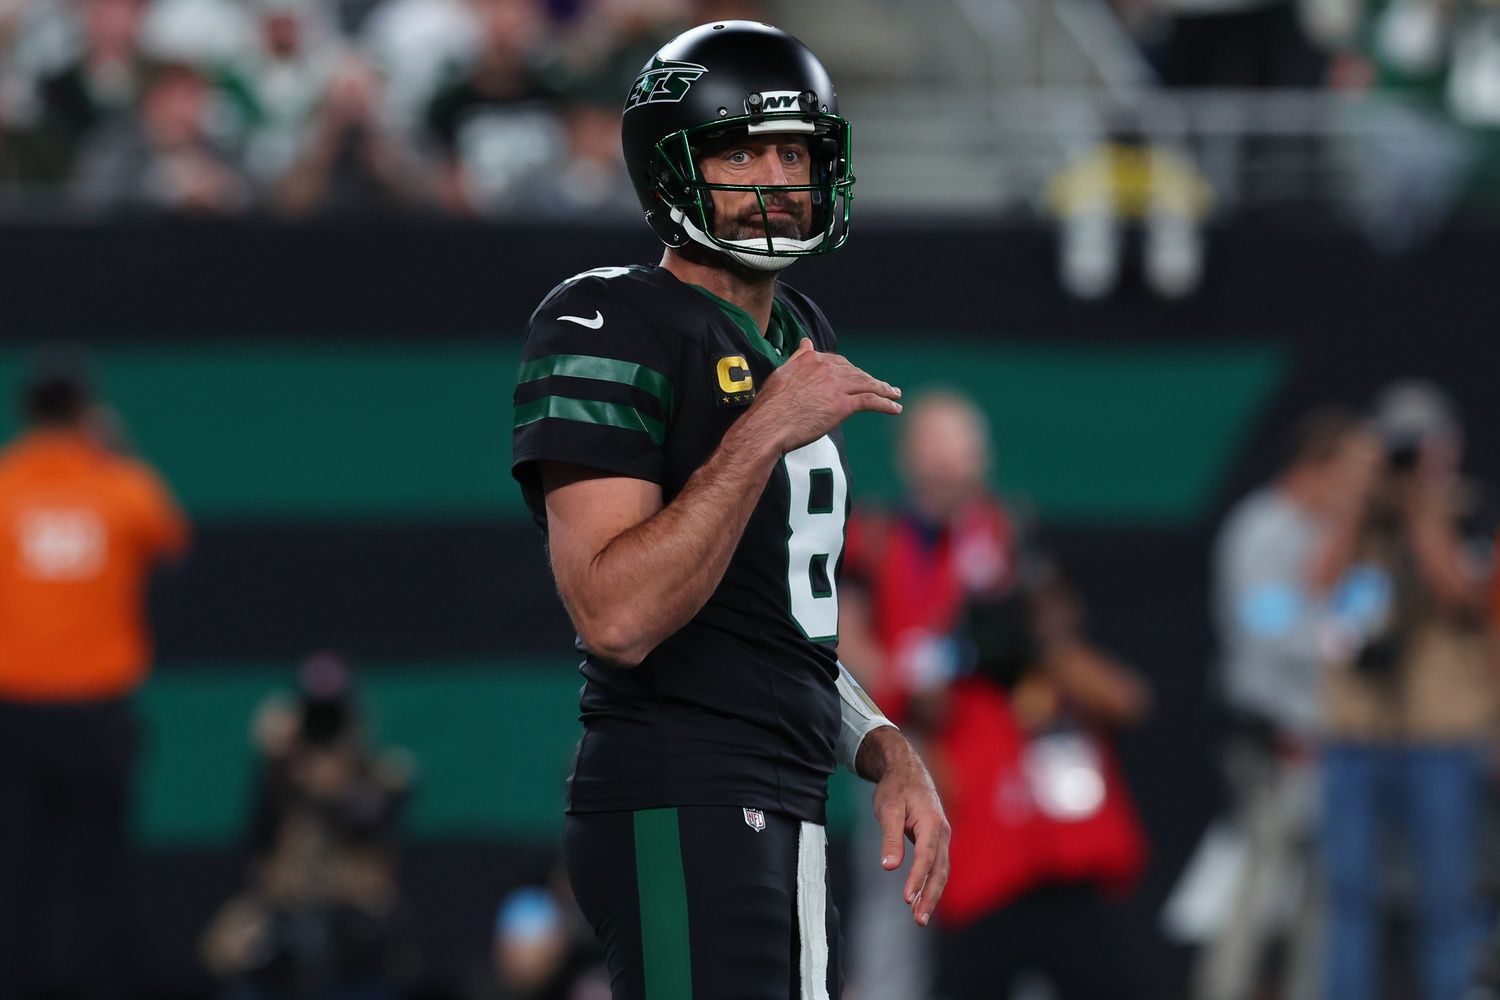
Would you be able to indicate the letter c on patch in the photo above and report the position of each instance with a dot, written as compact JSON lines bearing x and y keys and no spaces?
{"x":734,"y":374}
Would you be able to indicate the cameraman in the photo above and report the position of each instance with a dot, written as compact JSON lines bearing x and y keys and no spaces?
{"x":1409,"y":707}
{"x":1277,"y":561}
{"x":1046,"y":839}
{"x":319,"y":918}
{"x":1009,"y":710}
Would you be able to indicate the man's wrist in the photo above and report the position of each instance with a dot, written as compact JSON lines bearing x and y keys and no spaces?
{"x":747,"y":440}
{"x":882,"y":749}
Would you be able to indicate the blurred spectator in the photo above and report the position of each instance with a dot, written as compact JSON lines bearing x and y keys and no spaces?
{"x":906,"y":579}
{"x":592,"y":181}
{"x":543,"y":949}
{"x":608,"y":41}
{"x":1474,"y":82}
{"x":352,"y":162}
{"x":101,"y":81}
{"x":319,"y":917}
{"x":163,"y":157}
{"x":976,"y":648}
{"x":208,"y":34}
{"x":1025,"y":759}
{"x":417,"y":44}
{"x":1277,"y":560}
{"x":1411,"y":706}
{"x":80,"y":528}
{"x":497,"y":135}
{"x":1237,"y":43}
{"x":596,"y":59}
{"x":277,"y":85}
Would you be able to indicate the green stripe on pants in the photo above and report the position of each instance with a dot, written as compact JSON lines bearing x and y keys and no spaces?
{"x":662,"y":890}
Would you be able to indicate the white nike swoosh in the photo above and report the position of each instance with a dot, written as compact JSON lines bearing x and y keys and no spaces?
{"x":592,"y":324}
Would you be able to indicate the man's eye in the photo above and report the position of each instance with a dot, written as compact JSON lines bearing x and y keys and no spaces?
{"x":739,"y":156}
{"x":792,"y":155}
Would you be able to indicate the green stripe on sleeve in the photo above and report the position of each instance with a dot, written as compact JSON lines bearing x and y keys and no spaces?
{"x":603,"y":370}
{"x":590,"y":411}
{"x":662,"y":890}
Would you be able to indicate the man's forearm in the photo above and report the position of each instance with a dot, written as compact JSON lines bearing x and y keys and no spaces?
{"x":654,"y":577}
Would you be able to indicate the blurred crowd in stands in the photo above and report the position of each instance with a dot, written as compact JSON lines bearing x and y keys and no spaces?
{"x":1446,"y":51}
{"x":289,"y":107}
{"x":510,"y":107}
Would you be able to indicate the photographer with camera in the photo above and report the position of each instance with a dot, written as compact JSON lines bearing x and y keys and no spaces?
{"x":974,"y":641}
{"x":1277,"y":561}
{"x":319,"y":917}
{"x":1410,"y":705}
{"x":1044,"y":824}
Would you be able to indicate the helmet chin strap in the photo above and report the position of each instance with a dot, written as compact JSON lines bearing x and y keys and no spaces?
{"x":757,"y":261}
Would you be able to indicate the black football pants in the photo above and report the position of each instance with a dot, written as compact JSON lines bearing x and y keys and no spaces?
{"x":707,"y":903}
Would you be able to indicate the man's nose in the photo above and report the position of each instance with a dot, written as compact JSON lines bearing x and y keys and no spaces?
{"x":772,"y":168}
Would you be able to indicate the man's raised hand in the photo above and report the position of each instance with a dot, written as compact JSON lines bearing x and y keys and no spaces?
{"x":813,"y":392}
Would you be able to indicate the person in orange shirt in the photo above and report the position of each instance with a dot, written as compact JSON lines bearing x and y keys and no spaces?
{"x":80,"y":529}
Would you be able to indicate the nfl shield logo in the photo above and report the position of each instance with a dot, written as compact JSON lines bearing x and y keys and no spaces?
{"x":755,"y":819}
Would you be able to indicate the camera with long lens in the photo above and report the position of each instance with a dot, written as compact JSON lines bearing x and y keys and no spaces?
{"x":1000,"y":635}
{"x":1411,"y":418}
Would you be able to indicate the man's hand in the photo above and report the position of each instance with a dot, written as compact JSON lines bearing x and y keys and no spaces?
{"x":906,"y":804}
{"x":811,"y":394}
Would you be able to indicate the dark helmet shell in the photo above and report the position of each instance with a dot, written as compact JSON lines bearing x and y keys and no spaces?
{"x":716,"y":73}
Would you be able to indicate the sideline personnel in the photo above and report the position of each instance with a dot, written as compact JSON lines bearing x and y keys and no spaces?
{"x":80,"y":528}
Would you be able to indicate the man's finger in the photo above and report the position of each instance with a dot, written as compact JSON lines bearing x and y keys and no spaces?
{"x":863,"y":381}
{"x":804,"y":347}
{"x":879,"y":404}
{"x":932,"y":892}
{"x":923,"y":856}
{"x":892,"y":839}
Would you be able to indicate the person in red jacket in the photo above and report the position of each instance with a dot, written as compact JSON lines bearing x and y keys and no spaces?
{"x":1044,"y":830}
{"x":972,"y":643}
{"x":906,"y":576}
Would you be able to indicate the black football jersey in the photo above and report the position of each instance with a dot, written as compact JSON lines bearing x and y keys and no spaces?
{"x":633,"y":372}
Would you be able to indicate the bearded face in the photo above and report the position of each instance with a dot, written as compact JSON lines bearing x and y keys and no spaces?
{"x":769,"y":160}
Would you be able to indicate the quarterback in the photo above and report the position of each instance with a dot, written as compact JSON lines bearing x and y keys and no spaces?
{"x":677,"y":436}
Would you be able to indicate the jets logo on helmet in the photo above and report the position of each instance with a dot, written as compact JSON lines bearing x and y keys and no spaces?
{"x":663,"y":82}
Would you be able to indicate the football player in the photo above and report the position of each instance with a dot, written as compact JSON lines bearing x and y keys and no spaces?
{"x":677,"y":436}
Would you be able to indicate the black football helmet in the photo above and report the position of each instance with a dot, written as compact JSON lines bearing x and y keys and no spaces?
{"x":716,"y":82}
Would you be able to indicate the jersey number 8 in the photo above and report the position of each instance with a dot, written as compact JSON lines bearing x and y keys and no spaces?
{"x":816,"y":513}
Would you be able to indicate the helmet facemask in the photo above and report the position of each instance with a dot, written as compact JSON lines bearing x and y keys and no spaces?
{"x":689,"y":197}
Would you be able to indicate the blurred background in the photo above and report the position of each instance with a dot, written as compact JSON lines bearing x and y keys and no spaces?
{"x":291,"y":246}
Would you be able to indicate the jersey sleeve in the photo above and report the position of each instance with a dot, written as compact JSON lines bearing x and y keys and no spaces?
{"x":595,"y":388}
